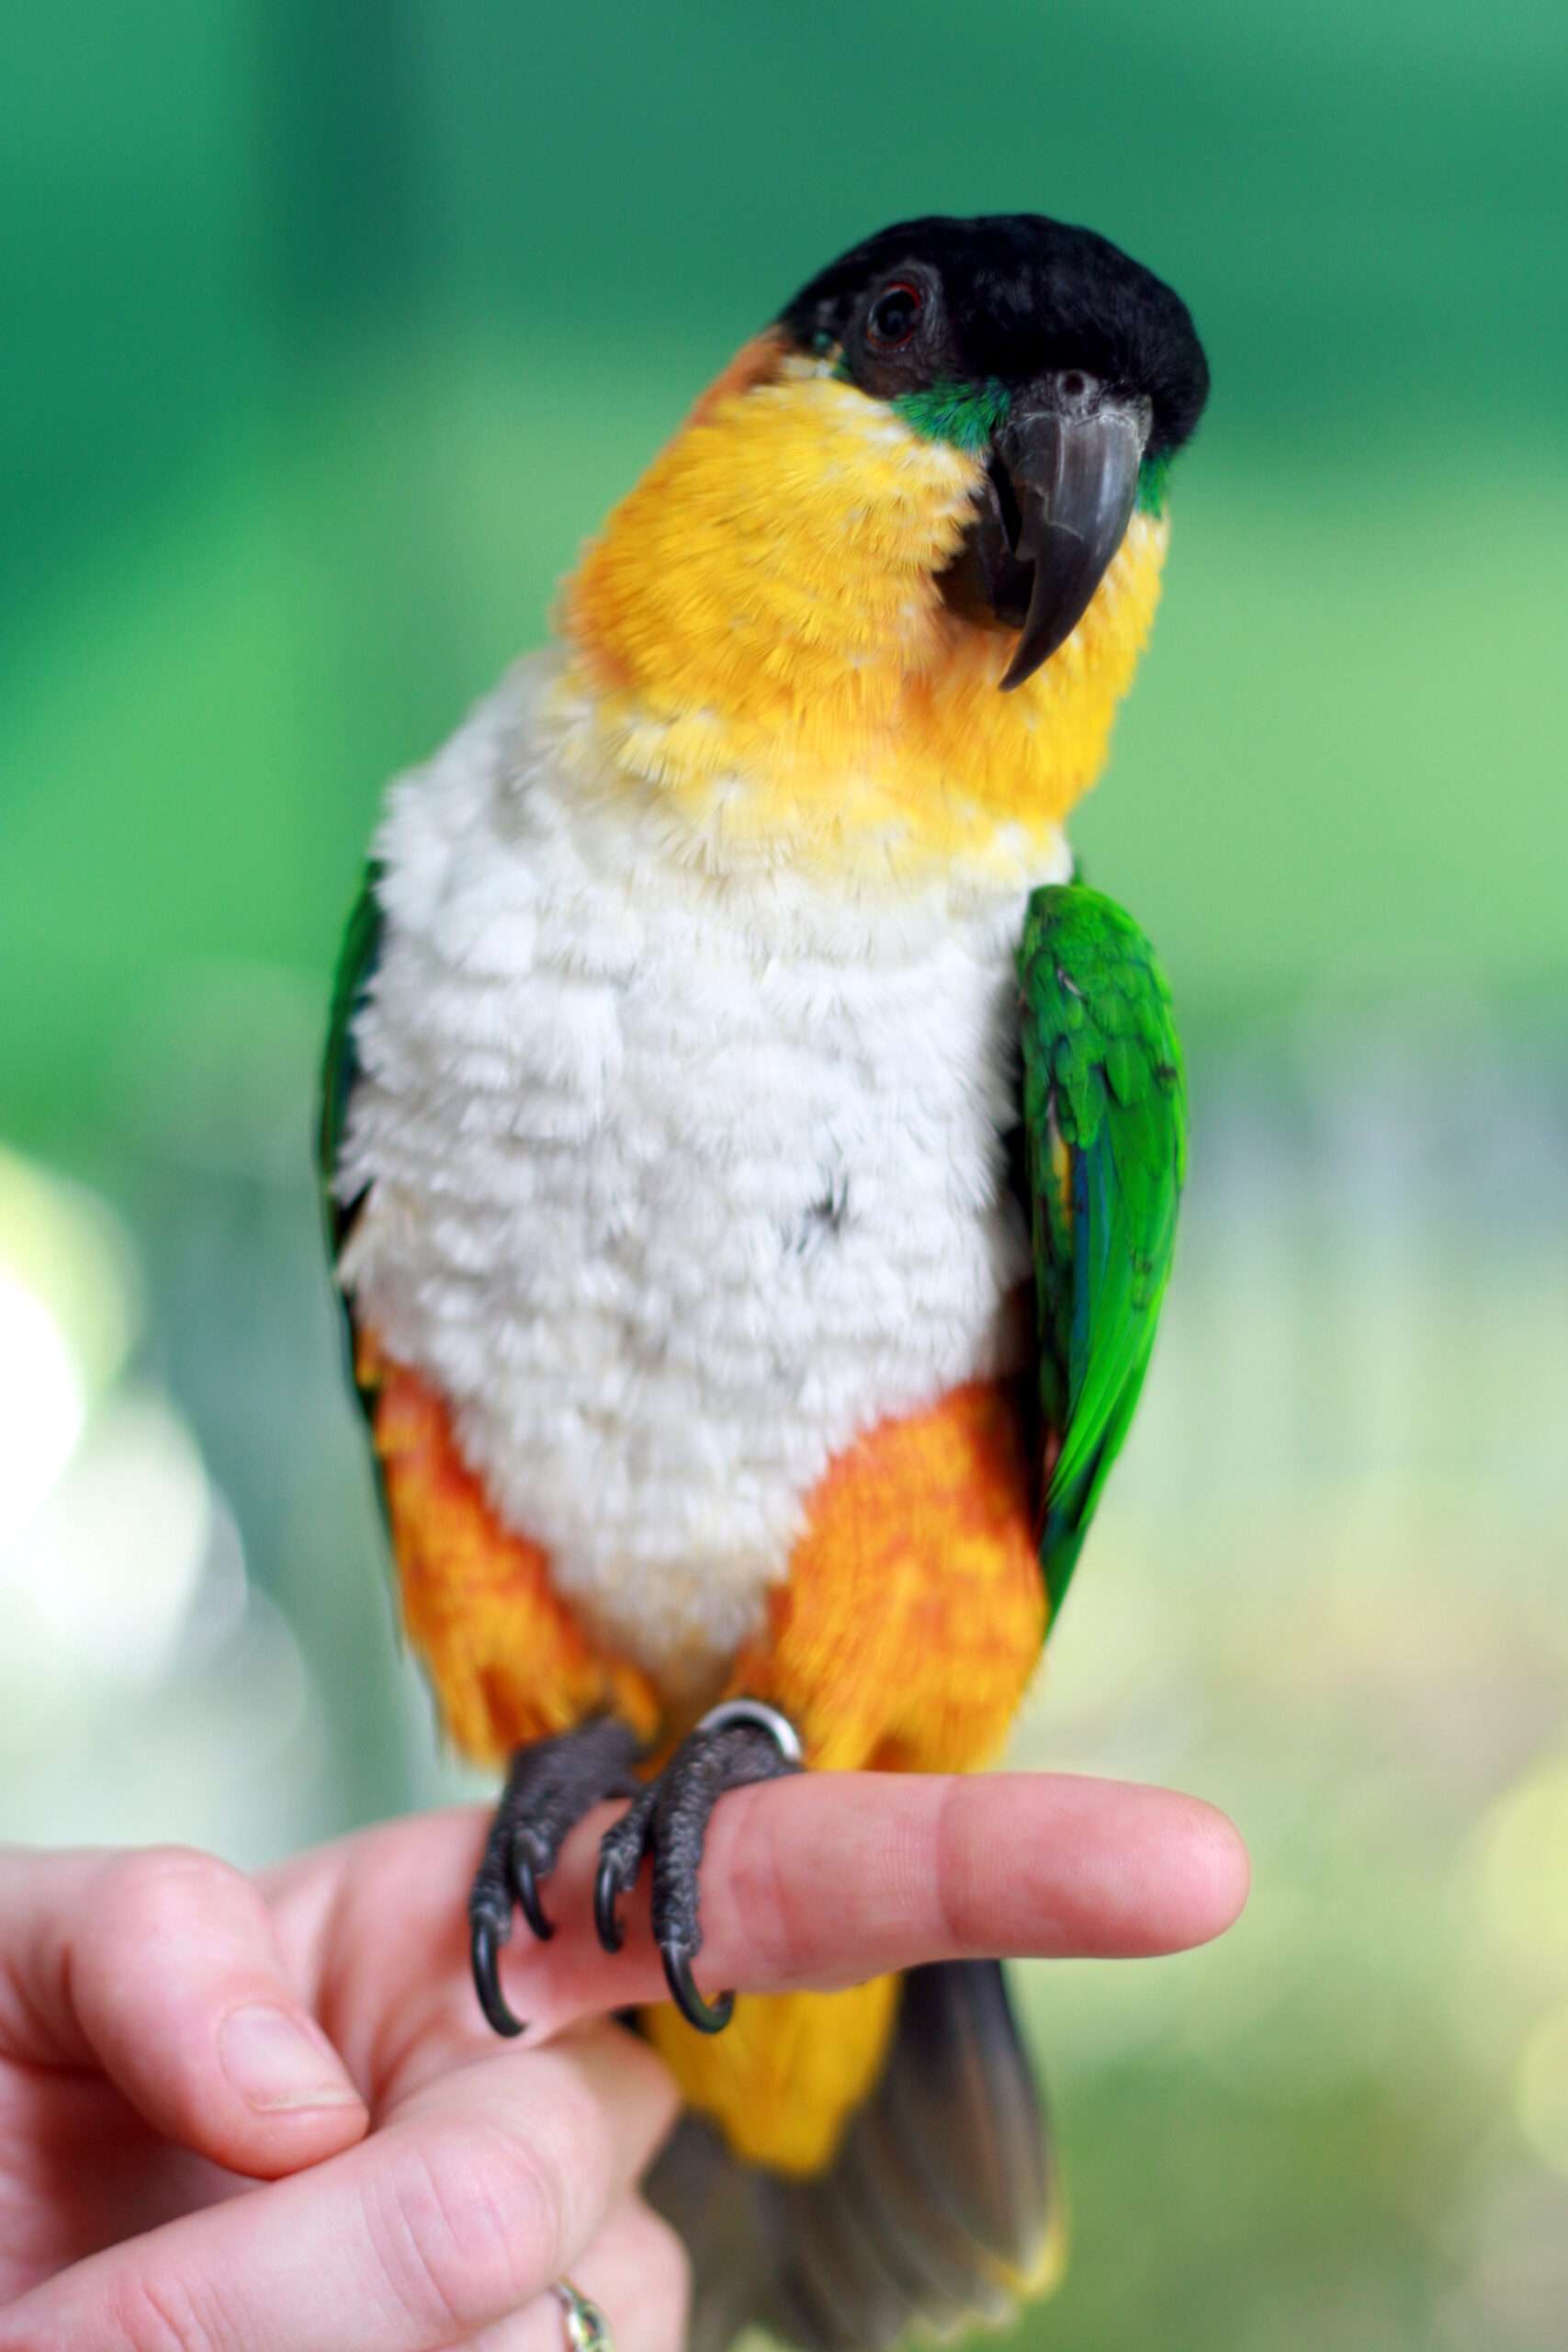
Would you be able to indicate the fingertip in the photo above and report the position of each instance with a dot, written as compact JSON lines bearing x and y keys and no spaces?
{"x":1116,"y":1870}
{"x":1194,"y":1875}
{"x":1221,"y":1871}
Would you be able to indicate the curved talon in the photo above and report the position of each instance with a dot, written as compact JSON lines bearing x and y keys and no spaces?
{"x":484,"y":1952}
{"x":606,"y":1905}
{"x":524,"y":1873}
{"x":708,"y":2016}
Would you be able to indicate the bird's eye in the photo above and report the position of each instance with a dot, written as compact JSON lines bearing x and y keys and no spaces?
{"x":894,"y":316}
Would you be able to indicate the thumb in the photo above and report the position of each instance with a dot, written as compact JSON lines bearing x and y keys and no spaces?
{"x":161,"y":1967}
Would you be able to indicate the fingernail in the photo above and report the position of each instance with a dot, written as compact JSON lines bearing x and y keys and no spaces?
{"x":274,"y":2063}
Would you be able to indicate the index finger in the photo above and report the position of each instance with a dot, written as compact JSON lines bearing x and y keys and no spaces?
{"x":826,"y":1878}
{"x":820,"y":1880}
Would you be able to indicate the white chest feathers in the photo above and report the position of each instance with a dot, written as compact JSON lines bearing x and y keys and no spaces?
{"x":676,"y":1184}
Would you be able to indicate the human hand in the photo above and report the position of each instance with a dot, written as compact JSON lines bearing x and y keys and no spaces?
{"x":173,"y":2034}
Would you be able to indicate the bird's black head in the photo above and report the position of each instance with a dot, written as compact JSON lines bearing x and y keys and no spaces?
{"x":1074,"y":371}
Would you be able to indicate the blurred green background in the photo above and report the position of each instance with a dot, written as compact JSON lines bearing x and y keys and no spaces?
{"x":330,"y":330}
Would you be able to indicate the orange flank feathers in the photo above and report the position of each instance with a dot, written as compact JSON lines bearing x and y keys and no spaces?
{"x":507,"y":1660}
{"x":914,"y":1611}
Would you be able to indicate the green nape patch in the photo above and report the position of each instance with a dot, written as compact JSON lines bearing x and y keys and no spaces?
{"x":1153,"y":476}
{"x":966,"y":414}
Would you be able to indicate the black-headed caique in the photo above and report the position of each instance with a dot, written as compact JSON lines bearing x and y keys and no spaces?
{"x":753,"y":1166}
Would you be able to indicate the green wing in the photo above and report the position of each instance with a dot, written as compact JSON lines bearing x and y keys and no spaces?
{"x":339,"y":1067}
{"x":1105,"y":1128}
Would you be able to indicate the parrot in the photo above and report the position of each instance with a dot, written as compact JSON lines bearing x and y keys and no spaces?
{"x":750,"y":1158}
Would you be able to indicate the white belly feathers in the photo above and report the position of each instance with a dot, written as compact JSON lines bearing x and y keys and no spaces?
{"x":677,"y":1181}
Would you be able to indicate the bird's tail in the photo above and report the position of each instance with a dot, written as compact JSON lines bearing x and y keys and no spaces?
{"x":938,"y":2205}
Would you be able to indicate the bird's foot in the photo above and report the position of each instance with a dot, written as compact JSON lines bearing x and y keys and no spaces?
{"x":738,"y":1743}
{"x":549,"y":1787}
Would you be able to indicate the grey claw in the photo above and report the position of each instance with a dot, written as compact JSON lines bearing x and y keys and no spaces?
{"x":708,"y":2016}
{"x":606,"y":1904}
{"x":484,"y":1952}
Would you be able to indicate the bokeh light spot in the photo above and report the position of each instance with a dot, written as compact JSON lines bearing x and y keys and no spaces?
{"x":1541,"y":2090}
{"x":43,"y":1406}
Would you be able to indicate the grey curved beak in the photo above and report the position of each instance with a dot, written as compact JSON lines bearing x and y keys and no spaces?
{"x":1071,"y":453}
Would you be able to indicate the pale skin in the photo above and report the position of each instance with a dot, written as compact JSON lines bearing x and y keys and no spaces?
{"x":237,"y":2111}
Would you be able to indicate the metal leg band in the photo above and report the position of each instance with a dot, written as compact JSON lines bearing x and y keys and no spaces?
{"x":762,"y":1717}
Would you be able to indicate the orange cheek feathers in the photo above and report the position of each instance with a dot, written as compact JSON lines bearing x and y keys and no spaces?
{"x":763,"y":644}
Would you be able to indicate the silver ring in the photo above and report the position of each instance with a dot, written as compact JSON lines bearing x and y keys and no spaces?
{"x":762,"y":1717}
{"x":587,"y":2329}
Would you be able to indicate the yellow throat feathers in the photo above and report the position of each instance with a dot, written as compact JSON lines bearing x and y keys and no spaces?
{"x":761,"y":644}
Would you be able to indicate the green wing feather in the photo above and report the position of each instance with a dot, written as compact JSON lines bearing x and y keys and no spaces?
{"x":357,"y":963}
{"x":1105,"y":1126}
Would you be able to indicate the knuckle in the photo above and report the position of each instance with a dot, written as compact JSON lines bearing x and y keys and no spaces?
{"x":467,"y":2225}
{"x":147,"y":1892}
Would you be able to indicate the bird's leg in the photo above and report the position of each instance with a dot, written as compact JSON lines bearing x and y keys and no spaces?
{"x":549,"y":1786}
{"x":738,"y":1743}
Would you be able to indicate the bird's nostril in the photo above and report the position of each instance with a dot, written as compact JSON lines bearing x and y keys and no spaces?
{"x":1077,"y":391}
